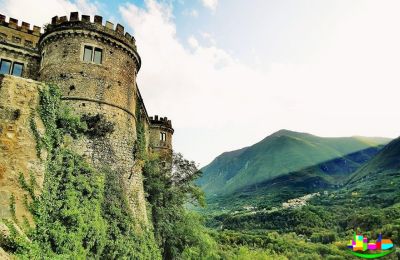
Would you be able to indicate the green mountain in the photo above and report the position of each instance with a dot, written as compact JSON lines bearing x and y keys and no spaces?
{"x":284,"y":153}
{"x":388,"y":159}
{"x":379,"y":179}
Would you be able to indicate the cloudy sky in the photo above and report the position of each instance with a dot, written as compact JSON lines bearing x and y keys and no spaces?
{"x":230,"y":72}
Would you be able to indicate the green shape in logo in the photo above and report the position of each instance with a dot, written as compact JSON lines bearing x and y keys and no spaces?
{"x":371,"y":256}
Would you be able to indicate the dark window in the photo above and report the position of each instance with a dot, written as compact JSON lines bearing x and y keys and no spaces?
{"x":28,"y":43}
{"x":42,"y":60}
{"x":97,"y":56}
{"x":17,"y":69}
{"x":87,"y":54}
{"x":91,"y":54}
{"x":3,"y":36}
{"x":16,"y":39}
{"x":163,"y":136}
{"x":5,"y":66}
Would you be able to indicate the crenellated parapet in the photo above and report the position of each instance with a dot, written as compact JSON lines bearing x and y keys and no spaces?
{"x":106,"y":32}
{"x":24,"y":27}
{"x":162,"y":122}
{"x":22,"y":35}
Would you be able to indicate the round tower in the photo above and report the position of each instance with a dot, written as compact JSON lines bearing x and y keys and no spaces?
{"x":95,"y":66}
{"x":90,"y":62}
{"x":161,"y":132}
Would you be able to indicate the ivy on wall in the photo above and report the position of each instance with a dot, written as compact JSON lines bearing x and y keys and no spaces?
{"x":81,"y":212}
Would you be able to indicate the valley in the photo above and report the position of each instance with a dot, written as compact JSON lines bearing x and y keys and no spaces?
{"x":316,"y":206}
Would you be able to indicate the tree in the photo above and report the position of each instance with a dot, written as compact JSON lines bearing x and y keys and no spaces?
{"x":169,"y":188}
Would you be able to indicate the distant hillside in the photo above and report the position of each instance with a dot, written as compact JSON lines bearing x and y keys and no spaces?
{"x":278,"y":155}
{"x":387,"y":160}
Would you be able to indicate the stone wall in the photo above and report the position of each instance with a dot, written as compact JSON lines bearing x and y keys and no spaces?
{"x":18,"y":103}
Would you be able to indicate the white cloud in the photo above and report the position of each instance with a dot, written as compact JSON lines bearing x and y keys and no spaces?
{"x":209,"y":38}
{"x":203,"y":88}
{"x":193,"y":42}
{"x":210,"y":4}
{"x":217,"y":103}
{"x":191,"y":13}
{"x":39,"y":12}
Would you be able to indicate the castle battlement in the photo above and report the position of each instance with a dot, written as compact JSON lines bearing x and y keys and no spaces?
{"x":24,"y":27}
{"x":74,"y":21}
{"x":162,"y":121}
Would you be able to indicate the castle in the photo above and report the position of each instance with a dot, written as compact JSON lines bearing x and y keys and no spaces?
{"x":95,"y":65}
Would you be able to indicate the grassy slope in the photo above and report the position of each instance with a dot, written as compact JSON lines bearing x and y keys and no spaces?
{"x":362,"y":202}
{"x":387,"y":160}
{"x":325,"y":176}
{"x":278,"y":154}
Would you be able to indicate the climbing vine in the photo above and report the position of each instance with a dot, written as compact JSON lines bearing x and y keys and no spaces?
{"x":73,"y":219}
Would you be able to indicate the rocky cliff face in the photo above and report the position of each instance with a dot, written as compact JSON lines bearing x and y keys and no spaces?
{"x":18,"y":153}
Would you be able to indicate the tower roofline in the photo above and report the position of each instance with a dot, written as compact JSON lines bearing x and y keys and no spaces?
{"x":162,"y":122}
{"x":24,"y":27}
{"x":107,"y":31}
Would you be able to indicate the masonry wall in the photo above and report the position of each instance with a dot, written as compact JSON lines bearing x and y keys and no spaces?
{"x":19,"y":99}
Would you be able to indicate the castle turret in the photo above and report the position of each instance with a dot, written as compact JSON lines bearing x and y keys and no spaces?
{"x":95,"y":65}
{"x":161,"y":132}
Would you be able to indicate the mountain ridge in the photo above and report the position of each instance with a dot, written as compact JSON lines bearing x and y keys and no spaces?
{"x":280,"y":153}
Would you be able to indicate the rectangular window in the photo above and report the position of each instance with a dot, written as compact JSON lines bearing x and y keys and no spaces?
{"x":16,"y":39}
{"x":5,"y":66}
{"x":87,"y":54}
{"x":163,"y":136}
{"x":28,"y":43}
{"x":97,"y":56}
{"x":17,"y":69}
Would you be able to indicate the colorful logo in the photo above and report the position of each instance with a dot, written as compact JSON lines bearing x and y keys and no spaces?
{"x":380,"y":248}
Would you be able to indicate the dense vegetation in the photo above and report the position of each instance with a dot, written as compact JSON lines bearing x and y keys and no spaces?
{"x":369,"y":202}
{"x":81,"y":212}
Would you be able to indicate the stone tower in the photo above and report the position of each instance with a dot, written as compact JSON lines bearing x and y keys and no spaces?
{"x":95,"y":66}
{"x":161,"y":132}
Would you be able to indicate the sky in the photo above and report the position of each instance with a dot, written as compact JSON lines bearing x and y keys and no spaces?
{"x":230,"y":72}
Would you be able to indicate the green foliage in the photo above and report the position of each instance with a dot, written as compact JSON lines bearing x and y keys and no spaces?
{"x":97,"y":125}
{"x":140,"y":145}
{"x":30,"y":188}
{"x":123,"y":240}
{"x":324,"y":237}
{"x":81,"y":213}
{"x":12,"y":207}
{"x":36,"y":135}
{"x":271,"y":245}
{"x":179,"y":233}
{"x":68,"y":215}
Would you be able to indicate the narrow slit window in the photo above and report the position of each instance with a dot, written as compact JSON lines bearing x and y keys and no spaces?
{"x":5,"y":67}
{"x":97,"y":56}
{"x":87,"y":54}
{"x":17,"y":69}
{"x":42,"y":60}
